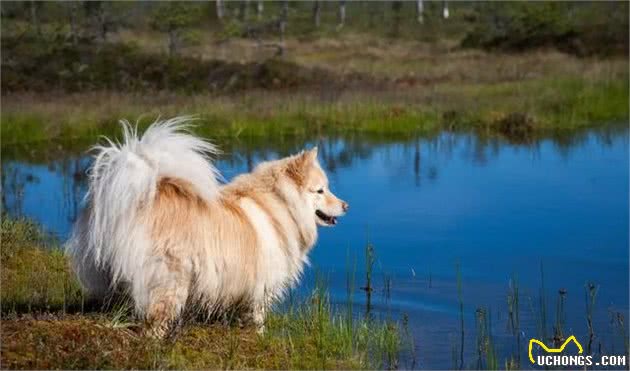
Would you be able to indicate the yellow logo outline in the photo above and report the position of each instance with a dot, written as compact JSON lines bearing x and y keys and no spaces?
{"x":553,"y":350}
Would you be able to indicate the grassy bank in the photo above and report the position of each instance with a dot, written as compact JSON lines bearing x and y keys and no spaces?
{"x":351,"y":83}
{"x":46,"y":324}
{"x":517,"y":110}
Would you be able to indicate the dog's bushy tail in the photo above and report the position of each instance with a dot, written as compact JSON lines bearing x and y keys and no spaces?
{"x":108,"y":243}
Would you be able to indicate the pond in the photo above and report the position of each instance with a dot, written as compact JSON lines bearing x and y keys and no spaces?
{"x":434,"y":208}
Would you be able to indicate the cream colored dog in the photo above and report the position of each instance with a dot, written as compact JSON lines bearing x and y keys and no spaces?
{"x":158,"y":224}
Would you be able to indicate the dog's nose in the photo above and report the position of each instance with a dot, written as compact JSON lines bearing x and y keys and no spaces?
{"x":345,"y":206}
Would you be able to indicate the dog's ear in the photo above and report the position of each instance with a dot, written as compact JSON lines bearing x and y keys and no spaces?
{"x":298,"y":166}
{"x":312,"y":154}
{"x":307,"y":157}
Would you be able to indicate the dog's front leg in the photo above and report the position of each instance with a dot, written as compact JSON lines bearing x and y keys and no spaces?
{"x":258,"y":316}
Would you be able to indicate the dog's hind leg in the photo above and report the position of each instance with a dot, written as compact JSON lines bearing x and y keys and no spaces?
{"x":259,"y":310}
{"x":166,"y":300}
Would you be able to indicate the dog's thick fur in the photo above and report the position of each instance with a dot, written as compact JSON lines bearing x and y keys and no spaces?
{"x":158,"y":223}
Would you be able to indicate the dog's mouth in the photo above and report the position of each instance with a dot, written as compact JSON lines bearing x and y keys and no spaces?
{"x":329,"y":220}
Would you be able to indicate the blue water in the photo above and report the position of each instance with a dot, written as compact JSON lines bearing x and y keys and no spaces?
{"x":498,"y":210}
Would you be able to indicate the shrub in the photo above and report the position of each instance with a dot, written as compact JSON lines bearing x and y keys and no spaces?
{"x":32,"y":64}
{"x":576,"y":28}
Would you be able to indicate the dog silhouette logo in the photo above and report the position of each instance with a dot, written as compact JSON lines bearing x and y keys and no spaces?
{"x":553,"y":350}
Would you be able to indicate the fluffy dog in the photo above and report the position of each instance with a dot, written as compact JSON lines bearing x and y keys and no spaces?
{"x":159,"y":224}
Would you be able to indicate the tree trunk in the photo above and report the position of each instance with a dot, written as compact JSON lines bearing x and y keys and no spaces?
{"x":259,"y":9}
{"x":172,"y":42}
{"x":285,"y":10}
{"x":342,"y":13}
{"x":220,"y":9}
{"x":99,"y":14}
{"x":102,"y":22}
{"x":284,"y":16}
{"x":73,"y":23}
{"x":35,"y":17}
{"x":244,"y":10}
{"x":420,"y":11}
{"x":445,"y":13}
{"x":371,"y":9}
{"x":396,"y":7}
{"x":317,"y":13}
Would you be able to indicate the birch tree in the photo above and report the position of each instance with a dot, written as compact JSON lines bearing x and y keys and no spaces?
{"x":342,"y":13}
{"x":174,"y":18}
{"x":35,"y":6}
{"x":445,"y":13}
{"x":284,"y":17}
{"x":317,"y":13}
{"x":420,"y":11}
{"x":97,"y":17}
{"x":244,"y":10}
{"x":260,"y":7}
{"x":220,"y":9}
{"x":396,"y":7}
{"x":74,"y":27}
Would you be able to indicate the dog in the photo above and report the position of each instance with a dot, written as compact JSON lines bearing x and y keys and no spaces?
{"x":159,"y":224}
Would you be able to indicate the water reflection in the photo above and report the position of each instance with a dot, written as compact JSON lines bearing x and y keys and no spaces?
{"x":40,"y":168}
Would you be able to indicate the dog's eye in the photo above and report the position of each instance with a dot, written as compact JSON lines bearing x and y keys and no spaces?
{"x":320,"y":191}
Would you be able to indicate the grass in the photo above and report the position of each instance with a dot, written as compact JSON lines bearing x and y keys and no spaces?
{"x":405,"y":88}
{"x":550,"y":107}
{"x":34,"y":271}
{"x":45,"y":325}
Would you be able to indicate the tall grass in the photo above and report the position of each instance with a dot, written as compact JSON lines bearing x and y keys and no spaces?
{"x":34,"y":278}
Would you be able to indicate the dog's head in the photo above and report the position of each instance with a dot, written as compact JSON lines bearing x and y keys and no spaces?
{"x":305,"y":169}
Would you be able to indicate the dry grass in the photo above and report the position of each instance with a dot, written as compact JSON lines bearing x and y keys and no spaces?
{"x":430,"y":62}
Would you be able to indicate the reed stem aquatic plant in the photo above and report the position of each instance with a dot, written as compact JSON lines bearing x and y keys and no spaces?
{"x":370,"y":259}
{"x":460,"y":299}
{"x":590,"y":293}
{"x":558,"y":328}
{"x":514,"y":321}
{"x":486,"y":353}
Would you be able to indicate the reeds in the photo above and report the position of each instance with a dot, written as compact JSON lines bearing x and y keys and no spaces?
{"x":460,"y":299}
{"x":590,"y":293}
{"x":486,"y":353}
{"x":514,"y":321}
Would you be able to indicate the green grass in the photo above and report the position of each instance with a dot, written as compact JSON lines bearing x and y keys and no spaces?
{"x":39,"y":292}
{"x":34,"y":271}
{"x":549,"y":106}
